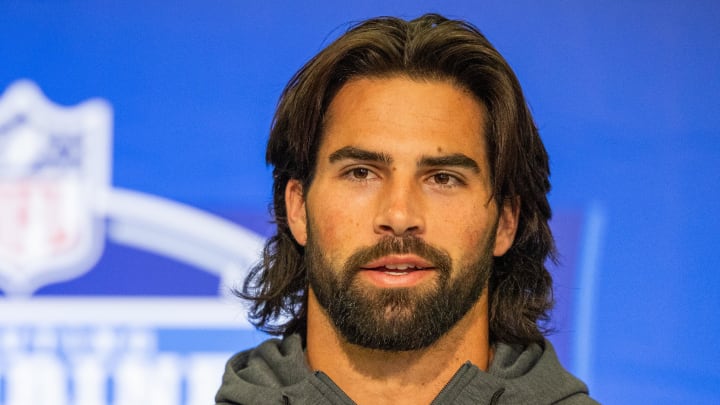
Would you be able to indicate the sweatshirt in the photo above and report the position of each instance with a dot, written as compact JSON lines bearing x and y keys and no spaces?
{"x":276,"y":372}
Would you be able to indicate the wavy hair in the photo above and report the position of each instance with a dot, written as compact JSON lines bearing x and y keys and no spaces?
{"x":430,"y":47}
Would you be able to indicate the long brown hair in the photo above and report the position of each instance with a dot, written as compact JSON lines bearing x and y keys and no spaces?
{"x":429,"y":47}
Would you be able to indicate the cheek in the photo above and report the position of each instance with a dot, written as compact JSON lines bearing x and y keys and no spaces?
{"x":472,"y":243}
{"x":466,"y":233}
{"x":334,"y":227}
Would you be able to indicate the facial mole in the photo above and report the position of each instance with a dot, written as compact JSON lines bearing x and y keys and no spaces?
{"x":439,"y":149}
{"x":394,"y":168}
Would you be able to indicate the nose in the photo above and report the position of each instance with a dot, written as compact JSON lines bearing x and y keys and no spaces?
{"x":400,"y":209}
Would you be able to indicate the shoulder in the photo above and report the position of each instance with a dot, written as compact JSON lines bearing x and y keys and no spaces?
{"x":276,"y":372}
{"x":273,"y":362}
{"x":534,"y":372}
{"x":263,"y":372}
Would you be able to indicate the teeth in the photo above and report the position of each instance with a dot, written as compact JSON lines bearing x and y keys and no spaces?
{"x":396,"y":273}
{"x":399,"y":266}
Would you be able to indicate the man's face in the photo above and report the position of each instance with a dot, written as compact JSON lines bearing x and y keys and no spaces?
{"x":398,"y":223}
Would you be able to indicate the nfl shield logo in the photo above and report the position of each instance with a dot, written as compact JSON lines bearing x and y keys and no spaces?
{"x":54,"y":178}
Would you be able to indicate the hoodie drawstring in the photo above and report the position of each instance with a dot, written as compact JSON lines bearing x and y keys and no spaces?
{"x":496,"y":396}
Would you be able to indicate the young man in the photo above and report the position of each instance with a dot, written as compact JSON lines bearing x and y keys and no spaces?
{"x":410,"y":197}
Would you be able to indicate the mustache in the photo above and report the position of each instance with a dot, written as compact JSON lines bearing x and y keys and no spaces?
{"x":390,"y":245}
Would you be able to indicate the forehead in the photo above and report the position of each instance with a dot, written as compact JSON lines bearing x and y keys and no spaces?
{"x":422,"y":115}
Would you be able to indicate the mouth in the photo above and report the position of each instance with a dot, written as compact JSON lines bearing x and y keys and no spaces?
{"x":397,"y":271}
{"x":399,"y":263}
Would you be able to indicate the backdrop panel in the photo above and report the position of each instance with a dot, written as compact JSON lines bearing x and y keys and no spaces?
{"x":134,"y":193}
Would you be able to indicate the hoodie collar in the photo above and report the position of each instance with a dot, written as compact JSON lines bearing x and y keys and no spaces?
{"x":277,"y":369}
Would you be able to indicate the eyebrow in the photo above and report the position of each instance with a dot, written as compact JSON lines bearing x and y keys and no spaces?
{"x":351,"y":152}
{"x":453,"y":160}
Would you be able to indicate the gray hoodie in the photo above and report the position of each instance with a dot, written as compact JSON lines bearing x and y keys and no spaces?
{"x":276,"y":373}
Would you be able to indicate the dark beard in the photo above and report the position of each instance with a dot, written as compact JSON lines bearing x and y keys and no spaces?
{"x":396,"y":319}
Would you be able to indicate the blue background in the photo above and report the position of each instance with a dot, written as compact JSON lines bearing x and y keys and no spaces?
{"x":624,"y":93}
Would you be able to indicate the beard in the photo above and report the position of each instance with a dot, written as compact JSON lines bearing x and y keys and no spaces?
{"x":396,"y":319}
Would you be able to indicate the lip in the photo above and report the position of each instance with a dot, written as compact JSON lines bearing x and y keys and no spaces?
{"x":394,"y":260}
{"x":377,"y":273}
{"x":399,"y":279}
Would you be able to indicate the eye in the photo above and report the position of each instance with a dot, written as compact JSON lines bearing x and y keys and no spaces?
{"x":446,"y":180}
{"x":359,"y":173}
{"x":442,"y":178}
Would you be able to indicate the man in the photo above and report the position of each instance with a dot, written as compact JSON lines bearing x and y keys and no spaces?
{"x":410,"y":198}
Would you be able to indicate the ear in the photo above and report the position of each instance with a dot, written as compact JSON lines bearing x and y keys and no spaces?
{"x":508,"y":219}
{"x":295,"y":208}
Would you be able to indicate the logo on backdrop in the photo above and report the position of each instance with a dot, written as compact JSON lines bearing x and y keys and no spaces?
{"x":57,"y":205}
{"x":54,"y":162}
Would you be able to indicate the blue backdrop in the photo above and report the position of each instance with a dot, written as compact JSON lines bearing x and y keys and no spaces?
{"x":624,"y":93}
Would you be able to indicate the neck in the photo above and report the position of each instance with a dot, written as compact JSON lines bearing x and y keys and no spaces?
{"x":377,"y":376}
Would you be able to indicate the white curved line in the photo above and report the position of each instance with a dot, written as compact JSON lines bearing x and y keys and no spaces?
{"x":181,"y":232}
{"x":594,"y":229}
